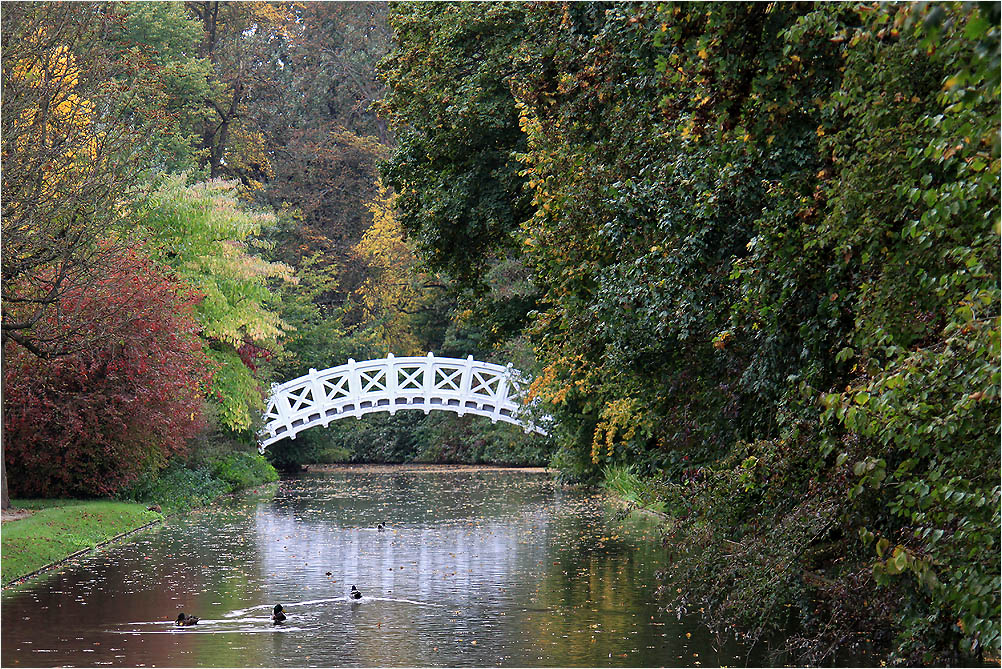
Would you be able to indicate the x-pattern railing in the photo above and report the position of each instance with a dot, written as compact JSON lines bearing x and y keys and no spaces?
{"x":394,"y":384}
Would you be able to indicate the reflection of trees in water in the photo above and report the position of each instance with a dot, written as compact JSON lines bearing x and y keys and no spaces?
{"x":356,"y":499}
{"x":199,"y":563}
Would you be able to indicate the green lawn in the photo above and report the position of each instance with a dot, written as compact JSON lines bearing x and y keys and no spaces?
{"x":61,"y":527}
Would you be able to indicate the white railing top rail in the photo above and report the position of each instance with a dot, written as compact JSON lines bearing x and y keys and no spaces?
{"x":428,"y":383}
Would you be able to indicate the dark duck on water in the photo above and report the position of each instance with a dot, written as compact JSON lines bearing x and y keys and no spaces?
{"x":277,"y":614}
{"x":184,"y":621}
{"x":355,"y":594}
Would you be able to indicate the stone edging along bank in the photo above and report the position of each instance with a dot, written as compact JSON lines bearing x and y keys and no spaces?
{"x":100,"y":544}
{"x":163,"y":518}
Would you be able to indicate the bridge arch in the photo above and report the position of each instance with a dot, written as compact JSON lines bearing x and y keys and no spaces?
{"x":394,"y":384}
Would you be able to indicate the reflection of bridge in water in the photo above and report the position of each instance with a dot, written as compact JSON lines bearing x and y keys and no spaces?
{"x":454,"y":564}
{"x":394,"y":384}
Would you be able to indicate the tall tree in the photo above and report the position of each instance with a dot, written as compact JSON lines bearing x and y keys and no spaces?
{"x":69,"y":154}
{"x":244,"y":42}
{"x":449,"y":102}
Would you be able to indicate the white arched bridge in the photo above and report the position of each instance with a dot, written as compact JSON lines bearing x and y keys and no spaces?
{"x":395,"y":384}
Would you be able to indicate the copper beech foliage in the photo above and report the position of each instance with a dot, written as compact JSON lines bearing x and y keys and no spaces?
{"x":86,"y":423}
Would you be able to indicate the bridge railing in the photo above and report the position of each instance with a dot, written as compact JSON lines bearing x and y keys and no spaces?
{"x":390,"y":384}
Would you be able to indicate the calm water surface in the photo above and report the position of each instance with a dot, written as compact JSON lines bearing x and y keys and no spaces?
{"x":474,"y":569}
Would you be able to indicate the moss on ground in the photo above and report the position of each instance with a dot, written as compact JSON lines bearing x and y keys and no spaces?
{"x":59,"y":528}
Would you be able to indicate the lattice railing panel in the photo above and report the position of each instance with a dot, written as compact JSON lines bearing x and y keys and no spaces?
{"x":393,"y":384}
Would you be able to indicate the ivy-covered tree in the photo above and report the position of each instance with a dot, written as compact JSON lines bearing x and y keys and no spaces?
{"x":766,"y":239}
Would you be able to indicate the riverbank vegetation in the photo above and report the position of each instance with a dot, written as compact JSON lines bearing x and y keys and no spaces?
{"x":757,"y":247}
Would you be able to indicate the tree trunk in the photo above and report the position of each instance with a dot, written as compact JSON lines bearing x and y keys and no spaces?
{"x":4,"y":499}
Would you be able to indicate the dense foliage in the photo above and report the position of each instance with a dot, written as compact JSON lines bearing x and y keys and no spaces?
{"x":766,"y":237}
{"x":438,"y":438}
{"x":122,"y":403}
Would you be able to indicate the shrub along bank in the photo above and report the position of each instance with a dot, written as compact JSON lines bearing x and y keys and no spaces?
{"x":180,"y":487}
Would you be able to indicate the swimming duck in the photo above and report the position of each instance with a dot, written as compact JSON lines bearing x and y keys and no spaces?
{"x":277,"y":616}
{"x":380,"y":527}
{"x":184,"y":620}
{"x":355,"y":594}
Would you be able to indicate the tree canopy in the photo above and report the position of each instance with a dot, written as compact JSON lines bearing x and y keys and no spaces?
{"x":765,"y":239}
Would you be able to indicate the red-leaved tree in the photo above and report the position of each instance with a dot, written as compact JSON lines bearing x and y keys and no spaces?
{"x":129,"y":396}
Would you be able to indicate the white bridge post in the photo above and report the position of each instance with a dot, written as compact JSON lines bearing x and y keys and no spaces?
{"x":354,"y":388}
{"x":391,"y":383}
{"x":429,"y":381}
{"x":464,"y":385}
{"x":317,"y":394}
{"x":501,"y":396}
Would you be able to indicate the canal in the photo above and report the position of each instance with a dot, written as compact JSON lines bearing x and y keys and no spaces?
{"x":474,"y":568}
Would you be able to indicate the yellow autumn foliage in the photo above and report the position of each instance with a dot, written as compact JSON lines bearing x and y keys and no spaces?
{"x":395,"y":288}
{"x":618,"y":419}
{"x":57,"y":117}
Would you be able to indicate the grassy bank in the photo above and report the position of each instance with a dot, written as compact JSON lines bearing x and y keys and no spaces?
{"x":60,"y":527}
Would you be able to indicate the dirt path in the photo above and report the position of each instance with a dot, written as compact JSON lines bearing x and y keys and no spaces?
{"x":16,"y":514}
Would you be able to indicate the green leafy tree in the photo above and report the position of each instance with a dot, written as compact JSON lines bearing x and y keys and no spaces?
{"x":738,"y":210}
{"x":448,"y":100}
{"x":210,"y":239}
{"x":169,"y":37}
